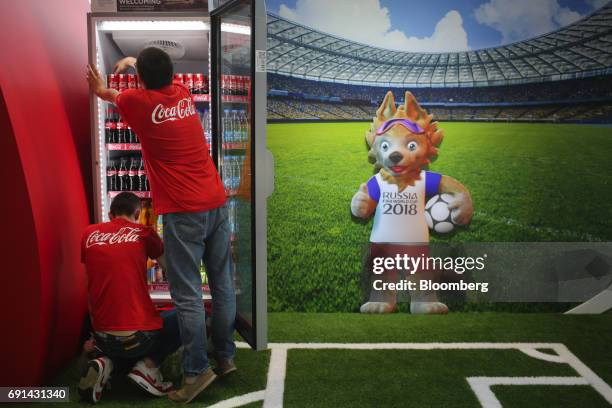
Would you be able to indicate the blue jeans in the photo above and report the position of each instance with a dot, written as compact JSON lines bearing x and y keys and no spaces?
{"x":190,"y":238}
{"x":125,"y":351}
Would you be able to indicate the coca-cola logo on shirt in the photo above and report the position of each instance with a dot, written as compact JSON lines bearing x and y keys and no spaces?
{"x":183,"y":109}
{"x":125,"y":234}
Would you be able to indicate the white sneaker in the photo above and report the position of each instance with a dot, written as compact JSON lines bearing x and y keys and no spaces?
{"x":149,"y":379}
{"x":94,"y":378}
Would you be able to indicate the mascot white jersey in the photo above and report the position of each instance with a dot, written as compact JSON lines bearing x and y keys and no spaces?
{"x":400,"y":215}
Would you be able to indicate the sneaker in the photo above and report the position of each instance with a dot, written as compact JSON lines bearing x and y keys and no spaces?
{"x":94,"y":378}
{"x":226,"y":366}
{"x":149,"y":379}
{"x":189,"y":391}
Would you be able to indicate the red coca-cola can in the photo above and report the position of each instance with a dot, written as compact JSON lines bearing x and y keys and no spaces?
{"x":188,"y":81}
{"x":178,"y":78}
{"x":112,"y":81}
{"x":131,"y":81}
{"x":198,"y":83}
{"x":123,"y":82}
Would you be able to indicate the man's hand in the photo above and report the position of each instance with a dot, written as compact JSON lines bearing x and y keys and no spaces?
{"x":96,"y":84}
{"x":362,"y":205}
{"x":124,"y":64}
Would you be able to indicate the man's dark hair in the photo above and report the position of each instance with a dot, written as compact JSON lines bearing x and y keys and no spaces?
{"x":154,"y":68}
{"x":125,"y":204}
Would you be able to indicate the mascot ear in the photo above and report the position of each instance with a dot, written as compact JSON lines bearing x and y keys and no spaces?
{"x":413,"y":110}
{"x":387,"y":109}
{"x":437,"y":137}
{"x":370,"y":135}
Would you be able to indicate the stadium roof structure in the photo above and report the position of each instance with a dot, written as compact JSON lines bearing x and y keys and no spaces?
{"x":581,"y":49}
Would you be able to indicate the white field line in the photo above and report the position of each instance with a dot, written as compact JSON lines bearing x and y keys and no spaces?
{"x":551,"y":358}
{"x":482,"y":386}
{"x":240,"y":400}
{"x":275,"y":388}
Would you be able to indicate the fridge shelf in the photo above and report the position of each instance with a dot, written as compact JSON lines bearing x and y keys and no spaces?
{"x":201,"y":97}
{"x":123,"y":146}
{"x":224,"y":98}
{"x":165,"y":287}
{"x":141,"y":194}
{"x":235,"y":98}
{"x":164,"y":297}
{"x":234,"y":146}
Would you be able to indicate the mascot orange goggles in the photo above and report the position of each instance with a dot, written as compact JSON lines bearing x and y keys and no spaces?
{"x":408,"y":124}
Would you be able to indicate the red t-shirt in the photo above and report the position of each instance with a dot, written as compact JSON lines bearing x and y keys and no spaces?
{"x":181,"y":173}
{"x":115,"y":256}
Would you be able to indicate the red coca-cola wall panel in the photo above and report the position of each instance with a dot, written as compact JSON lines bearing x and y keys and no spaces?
{"x":45,"y":167}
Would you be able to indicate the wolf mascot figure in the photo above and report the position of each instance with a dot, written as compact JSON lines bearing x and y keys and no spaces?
{"x":402,"y":141}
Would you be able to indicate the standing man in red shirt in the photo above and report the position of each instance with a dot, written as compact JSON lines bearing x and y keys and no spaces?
{"x":128,"y":331}
{"x":188,"y":191}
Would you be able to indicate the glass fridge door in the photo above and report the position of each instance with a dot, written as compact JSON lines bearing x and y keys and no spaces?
{"x":233,"y":110}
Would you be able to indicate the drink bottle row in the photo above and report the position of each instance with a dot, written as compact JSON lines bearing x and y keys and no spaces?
{"x":235,"y":126}
{"x":156,"y":274}
{"x":121,"y":82}
{"x":197,"y":83}
{"x":232,"y":169}
{"x":235,"y":85}
{"x":232,"y":215}
{"x":206,"y":125}
{"x":126,"y":174}
{"x":116,"y":130}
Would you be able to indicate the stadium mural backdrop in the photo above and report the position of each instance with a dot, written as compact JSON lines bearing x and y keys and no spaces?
{"x":532,"y":155}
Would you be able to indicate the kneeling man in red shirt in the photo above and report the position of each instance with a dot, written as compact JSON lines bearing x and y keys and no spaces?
{"x":128,"y":331}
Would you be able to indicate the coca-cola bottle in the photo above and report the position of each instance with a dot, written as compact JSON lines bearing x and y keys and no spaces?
{"x":123,"y":179}
{"x":205,"y":85}
{"x":142,"y":182}
{"x":111,"y":176}
{"x":120,"y":131}
{"x":147,"y":186}
{"x":133,"y":175}
{"x":128,"y":132}
{"x":135,"y":137}
{"x":230,"y":85}
{"x":108,"y":128}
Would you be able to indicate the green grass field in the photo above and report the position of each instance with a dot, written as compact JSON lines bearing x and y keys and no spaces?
{"x":529,"y":182}
{"x":401,"y":378}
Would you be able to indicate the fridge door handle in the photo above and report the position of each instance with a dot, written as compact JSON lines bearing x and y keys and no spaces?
{"x":269,"y":173}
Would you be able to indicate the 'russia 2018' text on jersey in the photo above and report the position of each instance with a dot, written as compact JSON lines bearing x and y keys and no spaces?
{"x":400,"y":215}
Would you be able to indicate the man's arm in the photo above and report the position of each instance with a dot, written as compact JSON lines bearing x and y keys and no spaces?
{"x":155,"y":246}
{"x":96,"y":84}
{"x":124,"y":64}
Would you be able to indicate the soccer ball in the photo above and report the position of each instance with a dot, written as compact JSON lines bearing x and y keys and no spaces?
{"x":437,"y":215}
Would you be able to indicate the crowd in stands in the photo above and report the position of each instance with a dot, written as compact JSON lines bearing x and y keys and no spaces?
{"x":590,"y":100}
{"x":283,"y":109}
{"x":575,"y":89}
